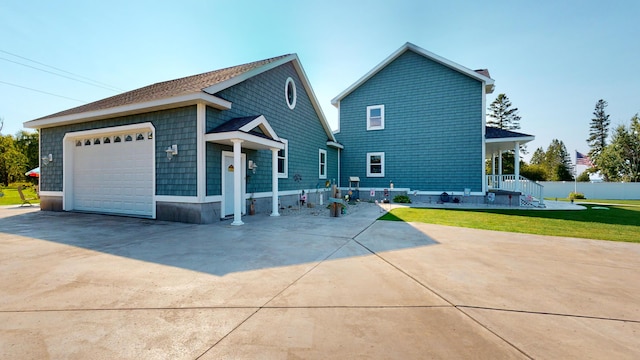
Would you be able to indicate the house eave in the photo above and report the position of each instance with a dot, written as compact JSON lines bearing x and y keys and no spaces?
{"x":521,"y":140}
{"x":249,"y":141}
{"x":487,"y":82}
{"x":132,"y":109}
{"x":334,"y":144}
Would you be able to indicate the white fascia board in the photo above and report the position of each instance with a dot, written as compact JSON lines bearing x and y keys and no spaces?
{"x":248,"y":138}
{"x":521,"y":140}
{"x":137,"y":108}
{"x":488,"y":82}
{"x":335,"y":144}
{"x":113,"y":129}
{"x":261,"y":122}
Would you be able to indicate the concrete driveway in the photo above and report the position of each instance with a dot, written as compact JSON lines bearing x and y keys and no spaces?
{"x":80,"y":286}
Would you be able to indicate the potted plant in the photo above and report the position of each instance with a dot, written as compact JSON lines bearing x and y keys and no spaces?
{"x":252,"y":205}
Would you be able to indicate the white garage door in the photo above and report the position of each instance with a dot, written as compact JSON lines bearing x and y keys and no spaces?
{"x":114,"y":174}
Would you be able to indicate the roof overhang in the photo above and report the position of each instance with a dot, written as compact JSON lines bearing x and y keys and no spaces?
{"x":496,"y":145}
{"x":487,"y":82}
{"x":268,"y":140}
{"x":138,"y":108}
{"x":249,"y":141}
{"x":334,"y":144}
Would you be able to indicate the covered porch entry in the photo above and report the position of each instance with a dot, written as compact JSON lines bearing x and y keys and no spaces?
{"x":252,"y":132}
{"x":497,"y":142}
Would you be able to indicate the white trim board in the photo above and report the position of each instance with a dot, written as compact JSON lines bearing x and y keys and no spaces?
{"x":130,"y":109}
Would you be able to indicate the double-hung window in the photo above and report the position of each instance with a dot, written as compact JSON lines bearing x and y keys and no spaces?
{"x":322,"y":164}
{"x":375,"y":117}
{"x":283,"y":163}
{"x":375,"y":164}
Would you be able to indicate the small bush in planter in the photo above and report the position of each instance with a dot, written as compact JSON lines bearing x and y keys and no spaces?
{"x":403,"y":199}
{"x":576,"y":195}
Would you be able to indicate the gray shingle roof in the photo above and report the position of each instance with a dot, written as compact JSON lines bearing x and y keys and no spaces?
{"x":167,"y":89}
{"x":234,"y":124}
{"x":496,"y":133}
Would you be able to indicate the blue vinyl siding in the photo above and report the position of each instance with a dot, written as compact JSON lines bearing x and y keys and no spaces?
{"x":432,"y":138}
{"x":264,"y":94}
{"x":176,"y":126}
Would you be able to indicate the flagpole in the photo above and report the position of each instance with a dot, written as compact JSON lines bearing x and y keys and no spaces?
{"x":575,"y":175}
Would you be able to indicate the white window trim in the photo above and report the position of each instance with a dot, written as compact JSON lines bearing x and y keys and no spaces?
{"x":369,"y":173}
{"x":321,"y":165}
{"x":286,"y":93}
{"x":285,"y":174}
{"x":372,"y":107}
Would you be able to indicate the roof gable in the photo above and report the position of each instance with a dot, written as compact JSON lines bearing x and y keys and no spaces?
{"x":188,"y":90}
{"x":168,"y":89}
{"x":248,"y":124}
{"x":481,"y":76}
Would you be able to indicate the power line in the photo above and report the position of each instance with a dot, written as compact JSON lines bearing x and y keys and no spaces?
{"x":112,"y":88}
{"x":51,"y":72}
{"x":43,"y":92}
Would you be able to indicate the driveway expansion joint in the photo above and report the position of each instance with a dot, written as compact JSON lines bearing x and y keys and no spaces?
{"x":547,"y":313}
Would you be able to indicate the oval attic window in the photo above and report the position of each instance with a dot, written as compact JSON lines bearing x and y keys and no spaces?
{"x":290,"y":93}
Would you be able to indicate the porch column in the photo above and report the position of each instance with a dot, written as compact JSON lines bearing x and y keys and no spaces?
{"x":516,"y":165}
{"x":237,"y":182}
{"x":500,"y":169}
{"x":274,"y":182}
{"x":493,"y":163}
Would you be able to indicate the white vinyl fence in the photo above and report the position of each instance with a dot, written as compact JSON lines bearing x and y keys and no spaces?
{"x":602,"y":190}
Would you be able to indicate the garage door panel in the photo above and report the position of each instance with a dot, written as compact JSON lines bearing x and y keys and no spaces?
{"x":114,"y":178}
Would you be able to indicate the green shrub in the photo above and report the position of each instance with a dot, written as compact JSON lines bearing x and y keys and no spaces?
{"x":576,"y":195}
{"x":403,"y":199}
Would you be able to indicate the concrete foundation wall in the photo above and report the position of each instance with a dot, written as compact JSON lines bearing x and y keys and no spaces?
{"x":188,"y":213}
{"x":51,"y":203}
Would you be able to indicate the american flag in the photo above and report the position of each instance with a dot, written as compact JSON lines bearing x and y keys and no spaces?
{"x":582,"y":159}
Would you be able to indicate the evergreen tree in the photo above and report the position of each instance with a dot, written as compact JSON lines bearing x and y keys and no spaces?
{"x":620,"y":160}
{"x":558,"y":162}
{"x":555,"y":162}
{"x":502,"y":115}
{"x":538,"y":157}
{"x":598,"y":132}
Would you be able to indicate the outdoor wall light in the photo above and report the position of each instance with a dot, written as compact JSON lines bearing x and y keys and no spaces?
{"x":47,"y":159}
{"x":253,"y":166}
{"x":172,"y":151}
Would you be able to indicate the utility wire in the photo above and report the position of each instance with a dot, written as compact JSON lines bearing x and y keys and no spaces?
{"x":51,"y":72}
{"x":43,"y":92}
{"x":106,"y":86}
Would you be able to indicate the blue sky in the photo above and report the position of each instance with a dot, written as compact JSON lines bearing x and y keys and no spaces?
{"x":553,"y":59}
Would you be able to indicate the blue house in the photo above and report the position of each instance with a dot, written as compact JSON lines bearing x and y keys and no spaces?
{"x":194,"y":149}
{"x":416,"y":123}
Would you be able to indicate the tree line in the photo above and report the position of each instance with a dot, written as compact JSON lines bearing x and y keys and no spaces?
{"x":615,"y":158}
{"x":18,"y":154}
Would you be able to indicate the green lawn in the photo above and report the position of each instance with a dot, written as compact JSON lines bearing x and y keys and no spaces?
{"x":619,"y":223}
{"x":601,"y":201}
{"x":11,"y":196}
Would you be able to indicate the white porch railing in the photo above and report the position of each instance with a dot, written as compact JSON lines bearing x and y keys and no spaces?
{"x":530,"y":189}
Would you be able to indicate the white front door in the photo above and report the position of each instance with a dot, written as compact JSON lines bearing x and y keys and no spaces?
{"x":228,"y":184}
